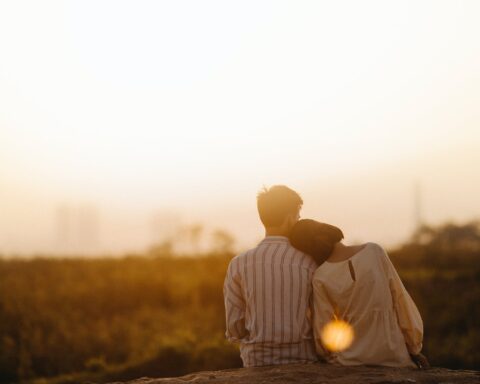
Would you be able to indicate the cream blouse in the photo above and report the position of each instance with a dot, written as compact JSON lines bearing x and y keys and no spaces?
{"x":367,"y":292}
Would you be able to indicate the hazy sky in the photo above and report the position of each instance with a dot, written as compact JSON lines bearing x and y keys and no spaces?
{"x":186,"y":108}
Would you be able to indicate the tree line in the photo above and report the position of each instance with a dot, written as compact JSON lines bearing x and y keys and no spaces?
{"x":69,"y":320}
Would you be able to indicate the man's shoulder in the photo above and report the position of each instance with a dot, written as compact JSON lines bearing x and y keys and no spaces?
{"x":295,"y":256}
{"x":238,"y":260}
{"x":261,"y":247}
{"x":243,"y":255}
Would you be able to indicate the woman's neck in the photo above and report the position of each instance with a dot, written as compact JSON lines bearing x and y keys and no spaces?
{"x":339,"y":247}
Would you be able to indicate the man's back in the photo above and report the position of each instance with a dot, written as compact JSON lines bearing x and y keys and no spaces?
{"x":267,"y":299}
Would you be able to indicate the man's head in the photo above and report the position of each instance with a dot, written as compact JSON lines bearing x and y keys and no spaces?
{"x":279,"y":208}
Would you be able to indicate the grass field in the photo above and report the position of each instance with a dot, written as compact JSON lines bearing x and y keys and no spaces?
{"x":70,"y":320}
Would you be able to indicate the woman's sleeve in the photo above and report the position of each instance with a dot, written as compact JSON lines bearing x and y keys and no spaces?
{"x":407,"y":313}
{"x":323,"y":313}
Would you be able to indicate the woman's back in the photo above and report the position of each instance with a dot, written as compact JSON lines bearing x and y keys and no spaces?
{"x":364,"y":290}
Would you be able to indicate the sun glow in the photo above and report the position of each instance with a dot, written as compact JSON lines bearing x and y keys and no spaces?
{"x":337,"y":335}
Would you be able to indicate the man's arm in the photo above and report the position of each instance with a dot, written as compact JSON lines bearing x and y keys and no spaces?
{"x":234,"y":304}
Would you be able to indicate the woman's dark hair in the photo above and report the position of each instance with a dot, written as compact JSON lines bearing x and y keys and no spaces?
{"x":315,"y":238}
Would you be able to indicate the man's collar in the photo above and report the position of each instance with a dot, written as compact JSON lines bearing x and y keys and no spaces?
{"x":275,"y":239}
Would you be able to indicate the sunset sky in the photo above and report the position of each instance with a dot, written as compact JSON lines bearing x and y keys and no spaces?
{"x":183,"y":110}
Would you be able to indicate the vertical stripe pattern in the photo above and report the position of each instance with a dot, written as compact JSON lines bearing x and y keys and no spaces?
{"x":267,"y":294}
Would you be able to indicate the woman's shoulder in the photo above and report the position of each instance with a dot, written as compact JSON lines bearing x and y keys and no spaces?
{"x":372,"y":251}
{"x":376,"y":252}
{"x":364,"y":251}
{"x":375,"y":247}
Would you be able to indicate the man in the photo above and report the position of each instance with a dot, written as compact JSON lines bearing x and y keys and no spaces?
{"x":267,"y":289}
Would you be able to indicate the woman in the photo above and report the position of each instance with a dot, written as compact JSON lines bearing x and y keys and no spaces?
{"x":359,"y":285}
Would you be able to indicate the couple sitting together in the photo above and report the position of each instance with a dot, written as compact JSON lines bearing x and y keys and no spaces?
{"x":280,"y":296}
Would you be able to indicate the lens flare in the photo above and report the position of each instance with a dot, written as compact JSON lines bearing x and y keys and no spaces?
{"x":337,"y":335}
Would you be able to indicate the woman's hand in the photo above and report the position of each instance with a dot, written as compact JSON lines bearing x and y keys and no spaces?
{"x":421,"y":361}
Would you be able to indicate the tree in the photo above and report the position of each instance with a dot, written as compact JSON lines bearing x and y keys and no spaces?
{"x":222,"y":241}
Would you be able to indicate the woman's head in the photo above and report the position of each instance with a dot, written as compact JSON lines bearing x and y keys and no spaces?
{"x":315,"y":238}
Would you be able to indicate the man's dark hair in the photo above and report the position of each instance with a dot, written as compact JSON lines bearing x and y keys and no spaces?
{"x":276,"y":203}
{"x":315,"y":238}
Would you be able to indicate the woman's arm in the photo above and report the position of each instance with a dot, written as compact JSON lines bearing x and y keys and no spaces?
{"x":323,"y":313}
{"x":408,"y":316}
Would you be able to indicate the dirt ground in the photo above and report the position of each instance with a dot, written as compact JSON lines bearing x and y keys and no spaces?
{"x":322,"y":373}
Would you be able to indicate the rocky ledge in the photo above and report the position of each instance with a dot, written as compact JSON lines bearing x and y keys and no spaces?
{"x":321,"y":373}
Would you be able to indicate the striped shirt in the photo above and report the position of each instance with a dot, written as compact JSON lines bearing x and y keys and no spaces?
{"x":267,"y":294}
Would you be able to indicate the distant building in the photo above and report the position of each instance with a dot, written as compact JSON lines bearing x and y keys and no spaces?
{"x":77,"y":229}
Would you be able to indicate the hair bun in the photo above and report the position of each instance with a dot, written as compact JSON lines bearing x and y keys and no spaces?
{"x":315,"y":238}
